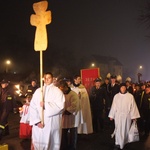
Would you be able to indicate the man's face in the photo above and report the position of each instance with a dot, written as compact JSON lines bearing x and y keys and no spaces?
{"x":48,"y":79}
{"x":33,"y":83}
{"x":77,"y":80}
{"x":98,"y":84}
{"x":143,"y":87}
{"x":147,"y":90}
{"x":123,"y":89}
{"x":4,"y":85}
{"x":113,"y":80}
{"x":106,"y":81}
{"x":137,"y":87}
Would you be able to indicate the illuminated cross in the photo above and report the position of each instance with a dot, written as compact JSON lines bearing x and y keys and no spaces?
{"x":40,"y":20}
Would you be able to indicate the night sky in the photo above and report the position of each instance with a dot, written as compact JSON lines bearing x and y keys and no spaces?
{"x":84,"y":27}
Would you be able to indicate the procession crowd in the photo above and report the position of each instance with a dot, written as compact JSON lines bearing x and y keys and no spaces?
{"x":53,"y":116}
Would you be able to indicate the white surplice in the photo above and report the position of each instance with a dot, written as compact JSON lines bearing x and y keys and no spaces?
{"x":123,"y":110}
{"x":48,"y":138}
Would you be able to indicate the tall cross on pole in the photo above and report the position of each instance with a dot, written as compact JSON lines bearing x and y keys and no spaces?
{"x":40,"y":19}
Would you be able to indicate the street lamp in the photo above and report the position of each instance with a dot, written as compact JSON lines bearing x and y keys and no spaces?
{"x":140,"y":67}
{"x":139,"y":74}
{"x":8,"y":62}
{"x":93,"y":65}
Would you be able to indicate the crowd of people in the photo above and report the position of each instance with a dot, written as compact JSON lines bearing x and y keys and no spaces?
{"x":54,"y":115}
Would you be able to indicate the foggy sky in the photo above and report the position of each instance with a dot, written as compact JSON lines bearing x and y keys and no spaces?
{"x":86,"y":27}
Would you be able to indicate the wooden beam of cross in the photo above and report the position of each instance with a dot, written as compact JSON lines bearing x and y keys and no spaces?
{"x":40,"y":19}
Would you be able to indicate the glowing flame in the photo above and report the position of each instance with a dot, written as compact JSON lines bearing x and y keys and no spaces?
{"x":18,"y":91}
{"x":20,"y":108}
{"x":17,"y":86}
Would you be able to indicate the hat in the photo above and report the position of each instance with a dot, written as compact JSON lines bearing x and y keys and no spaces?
{"x":122,"y":84}
{"x":97,"y":80}
{"x":128,"y":79}
{"x":66,"y":79}
{"x":4,"y":81}
{"x":113,"y":77}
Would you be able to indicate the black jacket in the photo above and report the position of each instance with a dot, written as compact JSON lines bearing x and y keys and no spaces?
{"x":98,"y":98}
{"x":6,"y":98}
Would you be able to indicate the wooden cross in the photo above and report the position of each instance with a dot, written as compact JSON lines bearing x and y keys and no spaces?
{"x":40,"y":20}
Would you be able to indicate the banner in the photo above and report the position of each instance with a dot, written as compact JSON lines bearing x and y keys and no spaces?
{"x":88,"y":76}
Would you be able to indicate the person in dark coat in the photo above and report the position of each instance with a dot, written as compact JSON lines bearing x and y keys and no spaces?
{"x":32,"y":87}
{"x":99,"y":100}
{"x":145,"y":110}
{"x":113,"y":88}
{"x":129,"y":87}
{"x":106,"y":85}
{"x":137,"y":95}
{"x":140,"y":102}
{"x":6,"y":106}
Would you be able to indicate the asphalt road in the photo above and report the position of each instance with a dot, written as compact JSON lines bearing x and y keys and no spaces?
{"x":98,"y":141}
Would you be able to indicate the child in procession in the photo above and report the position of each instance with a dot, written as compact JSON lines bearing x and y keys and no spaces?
{"x":25,"y":128}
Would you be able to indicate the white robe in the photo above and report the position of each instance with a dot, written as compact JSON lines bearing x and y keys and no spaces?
{"x":85,"y":126}
{"x":123,"y":110}
{"x":24,"y":114}
{"x":48,"y":138}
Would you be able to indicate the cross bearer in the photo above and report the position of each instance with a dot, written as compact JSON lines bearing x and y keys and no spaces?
{"x":47,"y":137}
{"x":46,"y":124}
{"x":40,"y":20}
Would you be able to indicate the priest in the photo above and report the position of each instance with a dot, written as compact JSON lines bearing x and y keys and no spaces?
{"x":123,"y":111}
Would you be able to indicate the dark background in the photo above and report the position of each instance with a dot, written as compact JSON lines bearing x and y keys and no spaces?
{"x":79,"y":28}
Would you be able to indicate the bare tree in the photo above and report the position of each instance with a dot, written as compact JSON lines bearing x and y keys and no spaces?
{"x":145,"y":14}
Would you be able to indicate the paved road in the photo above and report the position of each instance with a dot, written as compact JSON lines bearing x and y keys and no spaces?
{"x":99,"y":141}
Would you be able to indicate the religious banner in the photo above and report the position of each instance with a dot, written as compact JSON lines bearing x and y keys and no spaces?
{"x":88,"y":76}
